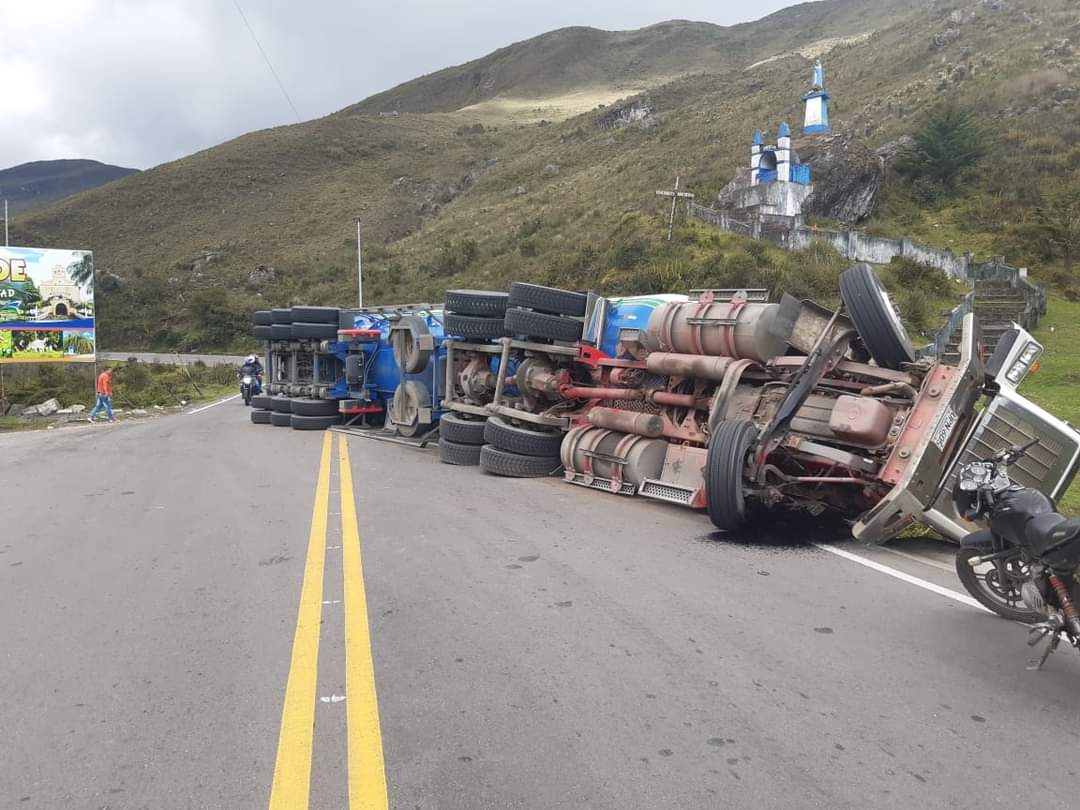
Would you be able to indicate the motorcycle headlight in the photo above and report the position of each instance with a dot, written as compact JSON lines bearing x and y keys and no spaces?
{"x":1024,"y":361}
{"x":247,"y":380}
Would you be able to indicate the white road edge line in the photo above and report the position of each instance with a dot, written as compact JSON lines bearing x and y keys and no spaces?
{"x":963,"y":599}
{"x":213,"y":404}
{"x":907,"y":555}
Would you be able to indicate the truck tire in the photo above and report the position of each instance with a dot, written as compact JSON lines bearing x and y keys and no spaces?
{"x":463,"y":455}
{"x":471,"y":327}
{"x":513,"y":465}
{"x":263,"y":402}
{"x":541,"y":325}
{"x":262,"y":317}
{"x":725,"y":462}
{"x":279,"y":419}
{"x":261,"y":416}
{"x":459,"y":429}
{"x":281,"y":404}
{"x":484,"y":303}
{"x":314,"y":331}
{"x":314,"y":407}
{"x":316,"y":315}
{"x":299,"y":422}
{"x":875,"y":318}
{"x":406,"y":343}
{"x":280,"y":331}
{"x":265,"y":332}
{"x":551,"y":300}
{"x":282,"y":315}
{"x":504,"y":435}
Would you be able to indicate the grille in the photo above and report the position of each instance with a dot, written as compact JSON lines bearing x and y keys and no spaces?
{"x":671,"y":493}
{"x":631,"y":405}
{"x":603,"y":484}
{"x":1047,"y":467}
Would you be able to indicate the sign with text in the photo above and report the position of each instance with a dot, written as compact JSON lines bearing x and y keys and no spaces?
{"x":46,"y":305}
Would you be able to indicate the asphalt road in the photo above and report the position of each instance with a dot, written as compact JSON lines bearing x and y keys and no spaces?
{"x":534,"y":645}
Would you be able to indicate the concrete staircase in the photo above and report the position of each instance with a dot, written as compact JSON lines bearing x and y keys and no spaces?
{"x":1000,"y":296}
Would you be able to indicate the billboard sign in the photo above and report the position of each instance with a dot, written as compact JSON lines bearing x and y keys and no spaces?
{"x":46,"y":305}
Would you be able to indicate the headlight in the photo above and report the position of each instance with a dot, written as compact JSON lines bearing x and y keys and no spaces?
{"x":1024,"y":361}
{"x":247,"y":380}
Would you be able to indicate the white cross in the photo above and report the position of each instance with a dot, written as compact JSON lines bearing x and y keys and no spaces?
{"x":675,"y":195}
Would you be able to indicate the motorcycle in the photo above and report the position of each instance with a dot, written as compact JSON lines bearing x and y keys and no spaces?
{"x":1029,"y":555}
{"x":250,"y":385}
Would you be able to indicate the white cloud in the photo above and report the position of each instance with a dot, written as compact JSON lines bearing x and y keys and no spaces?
{"x":139,"y":82}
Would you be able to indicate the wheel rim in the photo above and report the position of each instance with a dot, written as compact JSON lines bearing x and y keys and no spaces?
{"x":894,"y":313}
{"x":1001,"y":580}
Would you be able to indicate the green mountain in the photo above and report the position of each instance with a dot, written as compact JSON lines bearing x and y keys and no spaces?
{"x":540,"y":161}
{"x":33,"y":185}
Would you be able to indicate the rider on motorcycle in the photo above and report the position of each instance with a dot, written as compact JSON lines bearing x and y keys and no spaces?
{"x":253,"y":368}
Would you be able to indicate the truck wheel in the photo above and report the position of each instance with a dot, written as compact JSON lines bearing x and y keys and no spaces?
{"x":262,"y":317}
{"x":299,"y":422}
{"x":500,"y":433}
{"x":281,"y":315}
{"x":473,"y":328}
{"x":281,"y":404}
{"x":314,"y":331}
{"x":316,"y":315}
{"x":262,"y":402}
{"x":280,"y":331}
{"x":261,"y":416}
{"x":551,"y":300}
{"x":484,"y":303}
{"x":264,"y":332}
{"x":514,"y":465}
{"x":725,"y":465}
{"x":463,"y":455}
{"x":541,"y":325}
{"x":875,"y":318}
{"x":408,"y":354}
{"x":460,"y":429}
{"x":314,"y":407}
{"x":279,"y":419}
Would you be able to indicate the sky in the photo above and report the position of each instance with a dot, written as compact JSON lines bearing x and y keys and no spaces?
{"x":142,"y":82}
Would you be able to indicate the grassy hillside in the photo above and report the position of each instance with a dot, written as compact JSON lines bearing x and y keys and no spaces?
{"x":32,"y":185}
{"x":470,"y":185}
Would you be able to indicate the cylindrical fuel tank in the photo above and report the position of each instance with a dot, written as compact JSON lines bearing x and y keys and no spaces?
{"x":727,"y":329}
{"x":587,"y":445}
{"x":642,"y":424}
{"x":698,"y":366}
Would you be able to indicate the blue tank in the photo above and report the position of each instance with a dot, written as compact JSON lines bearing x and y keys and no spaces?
{"x":632,"y":312}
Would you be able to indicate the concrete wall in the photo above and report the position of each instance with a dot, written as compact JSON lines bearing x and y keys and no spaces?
{"x":853,"y":244}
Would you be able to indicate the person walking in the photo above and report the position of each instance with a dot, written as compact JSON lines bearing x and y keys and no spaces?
{"x":104,"y":395}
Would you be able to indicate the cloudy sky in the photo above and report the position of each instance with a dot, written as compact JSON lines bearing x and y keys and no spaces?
{"x":141,"y":82}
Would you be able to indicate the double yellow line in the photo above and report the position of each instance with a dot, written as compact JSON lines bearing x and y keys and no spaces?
{"x":291,"y":788}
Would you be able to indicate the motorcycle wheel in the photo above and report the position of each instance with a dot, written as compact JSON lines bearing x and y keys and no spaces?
{"x":984,"y":582}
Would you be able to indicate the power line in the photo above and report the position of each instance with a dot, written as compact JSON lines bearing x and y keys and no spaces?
{"x":266,"y":58}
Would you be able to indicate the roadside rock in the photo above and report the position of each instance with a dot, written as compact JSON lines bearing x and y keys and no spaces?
{"x":846,"y":176}
{"x":138,"y":412}
{"x":890,"y":150}
{"x":77,"y":408}
{"x":263,"y":274}
{"x":46,"y":408}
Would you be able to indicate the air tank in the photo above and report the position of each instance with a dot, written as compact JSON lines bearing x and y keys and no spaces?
{"x":722,"y":328}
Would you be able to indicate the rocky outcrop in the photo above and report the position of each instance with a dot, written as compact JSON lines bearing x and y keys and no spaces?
{"x":846,"y":176}
{"x":640,"y":111}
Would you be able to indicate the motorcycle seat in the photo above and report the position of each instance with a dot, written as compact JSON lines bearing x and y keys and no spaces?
{"x":1048,"y":531}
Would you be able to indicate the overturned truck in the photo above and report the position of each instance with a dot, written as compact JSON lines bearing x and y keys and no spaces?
{"x":724,"y":401}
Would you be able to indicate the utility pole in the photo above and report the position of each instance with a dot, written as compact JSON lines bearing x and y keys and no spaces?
{"x":359,"y":267}
{"x":7,"y":243}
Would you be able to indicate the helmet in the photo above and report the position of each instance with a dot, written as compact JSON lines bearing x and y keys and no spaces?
{"x":250,"y":358}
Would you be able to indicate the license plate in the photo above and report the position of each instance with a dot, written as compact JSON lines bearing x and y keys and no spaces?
{"x":944,"y":428}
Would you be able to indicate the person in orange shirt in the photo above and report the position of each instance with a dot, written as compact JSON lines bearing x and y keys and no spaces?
{"x":104,"y":395}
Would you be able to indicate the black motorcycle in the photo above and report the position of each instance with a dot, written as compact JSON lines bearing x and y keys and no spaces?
{"x":250,"y":384}
{"x":1026,"y":564}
